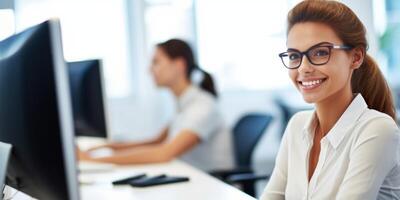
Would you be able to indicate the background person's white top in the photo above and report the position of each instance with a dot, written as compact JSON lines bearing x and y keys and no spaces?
{"x":198,"y":112}
{"x":359,"y":158}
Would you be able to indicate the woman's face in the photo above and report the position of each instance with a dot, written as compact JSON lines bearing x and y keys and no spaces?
{"x":163,"y":69}
{"x":318,"y":83}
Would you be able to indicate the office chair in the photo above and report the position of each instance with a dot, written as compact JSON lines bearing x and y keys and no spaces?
{"x":246,"y":134}
{"x":288,"y":111}
{"x":245,"y":177}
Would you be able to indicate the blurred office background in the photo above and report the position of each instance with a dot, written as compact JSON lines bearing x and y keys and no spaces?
{"x":238,"y":41}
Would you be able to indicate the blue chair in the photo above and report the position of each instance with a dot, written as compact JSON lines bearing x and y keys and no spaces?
{"x":246,"y":134}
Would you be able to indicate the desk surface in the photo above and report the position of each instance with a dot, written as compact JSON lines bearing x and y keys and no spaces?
{"x":201,"y":185}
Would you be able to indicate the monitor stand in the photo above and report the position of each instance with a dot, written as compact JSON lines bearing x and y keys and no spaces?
{"x":5,"y":151}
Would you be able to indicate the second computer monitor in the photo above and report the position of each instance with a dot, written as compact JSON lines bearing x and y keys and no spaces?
{"x":88,"y":99}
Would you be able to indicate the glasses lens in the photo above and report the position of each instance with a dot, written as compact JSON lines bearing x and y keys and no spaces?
{"x":319,"y":55}
{"x":291,"y":59}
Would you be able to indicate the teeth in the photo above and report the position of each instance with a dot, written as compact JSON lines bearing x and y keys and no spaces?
{"x":309,"y":83}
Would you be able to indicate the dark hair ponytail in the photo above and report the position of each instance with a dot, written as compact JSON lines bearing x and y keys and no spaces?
{"x":367,"y":79}
{"x":176,"y":48}
{"x":208,"y":83}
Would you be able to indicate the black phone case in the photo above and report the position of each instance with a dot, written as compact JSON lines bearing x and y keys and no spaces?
{"x":159,"y":181}
{"x":126,"y":181}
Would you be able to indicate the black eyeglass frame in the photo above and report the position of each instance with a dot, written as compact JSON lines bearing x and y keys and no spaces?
{"x":306,"y":53}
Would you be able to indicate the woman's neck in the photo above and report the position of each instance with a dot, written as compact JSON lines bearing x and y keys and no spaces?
{"x":179,"y":87}
{"x":331,"y":109}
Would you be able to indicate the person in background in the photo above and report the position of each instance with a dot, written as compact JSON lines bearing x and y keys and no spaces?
{"x":348,"y":147}
{"x":196,"y":134}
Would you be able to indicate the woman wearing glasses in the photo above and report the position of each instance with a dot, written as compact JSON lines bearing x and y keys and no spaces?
{"x":348,"y":147}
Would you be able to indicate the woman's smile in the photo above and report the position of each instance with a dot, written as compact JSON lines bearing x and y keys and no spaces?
{"x":309,"y":85}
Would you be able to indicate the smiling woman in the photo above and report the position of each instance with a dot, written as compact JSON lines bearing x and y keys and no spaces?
{"x":348,"y":148}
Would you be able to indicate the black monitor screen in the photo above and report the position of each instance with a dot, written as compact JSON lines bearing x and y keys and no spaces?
{"x":87,"y":98}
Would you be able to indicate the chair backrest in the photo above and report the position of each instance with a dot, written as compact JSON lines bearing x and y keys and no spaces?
{"x":246,"y":133}
{"x":288,"y":111}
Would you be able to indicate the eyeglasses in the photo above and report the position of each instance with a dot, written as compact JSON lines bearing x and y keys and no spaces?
{"x":318,"y":54}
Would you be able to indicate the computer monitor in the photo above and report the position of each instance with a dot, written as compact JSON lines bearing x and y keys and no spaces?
{"x":88,"y":99}
{"x":36,"y":114}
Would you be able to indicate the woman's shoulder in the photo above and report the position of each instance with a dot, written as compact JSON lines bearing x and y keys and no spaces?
{"x":200,"y":103}
{"x":371,"y":114}
{"x":203,"y":97}
{"x":373,"y":122}
{"x":378,"y":131}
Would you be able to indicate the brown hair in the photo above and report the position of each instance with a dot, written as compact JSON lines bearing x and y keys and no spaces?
{"x":368,"y":79}
{"x":176,"y":48}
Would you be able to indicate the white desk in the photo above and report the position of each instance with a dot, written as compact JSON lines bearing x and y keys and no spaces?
{"x":201,"y":186}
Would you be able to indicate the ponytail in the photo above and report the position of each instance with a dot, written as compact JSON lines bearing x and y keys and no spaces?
{"x":207,"y":83}
{"x":369,"y":81}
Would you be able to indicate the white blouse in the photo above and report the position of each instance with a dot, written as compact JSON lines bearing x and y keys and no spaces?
{"x":359,"y":158}
{"x":198,"y":112}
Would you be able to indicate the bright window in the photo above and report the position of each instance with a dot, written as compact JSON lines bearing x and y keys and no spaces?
{"x":239,"y":42}
{"x":91,"y":29}
{"x":7,"y":23}
{"x":166,"y":19}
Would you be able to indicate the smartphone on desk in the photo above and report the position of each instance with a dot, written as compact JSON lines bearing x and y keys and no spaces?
{"x":158,"y":180}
